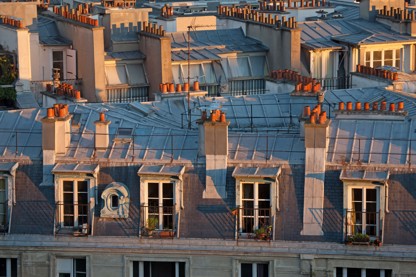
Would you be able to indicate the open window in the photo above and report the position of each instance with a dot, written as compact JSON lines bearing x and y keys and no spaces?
{"x":254,"y":269}
{"x":365,"y":201}
{"x":7,"y":196}
{"x":160,"y":197}
{"x":8,"y":267}
{"x":257,"y":199}
{"x":71,"y":267}
{"x":75,"y":197}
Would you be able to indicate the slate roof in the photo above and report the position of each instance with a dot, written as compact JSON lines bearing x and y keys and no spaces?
{"x":206,"y":45}
{"x":334,"y":33}
{"x":49,"y":34}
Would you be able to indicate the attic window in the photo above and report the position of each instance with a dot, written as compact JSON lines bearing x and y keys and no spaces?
{"x":116,"y":201}
{"x":124,"y":134}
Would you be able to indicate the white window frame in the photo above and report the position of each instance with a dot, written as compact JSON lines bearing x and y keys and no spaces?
{"x":59,"y":262}
{"x":394,"y":58}
{"x":9,"y":266}
{"x":59,"y":197}
{"x":141,"y":259}
{"x":254,"y":268}
{"x":382,"y":208}
{"x":10,"y":196}
{"x":177,"y":196}
{"x":254,"y":261}
{"x":274,"y":198}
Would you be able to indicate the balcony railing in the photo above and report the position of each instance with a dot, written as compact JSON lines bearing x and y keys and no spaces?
{"x":72,"y":218}
{"x":256,"y":223}
{"x":358,"y":222}
{"x":125,"y":93}
{"x":158,"y":221}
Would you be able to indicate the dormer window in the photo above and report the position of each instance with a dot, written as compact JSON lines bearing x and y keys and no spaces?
{"x":160,"y":197}
{"x":7,"y":197}
{"x":364,"y":201}
{"x":75,"y":197}
{"x":256,"y":198}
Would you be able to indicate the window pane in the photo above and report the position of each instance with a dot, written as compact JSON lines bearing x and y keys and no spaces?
{"x":114,"y":201}
{"x":248,"y":192}
{"x":371,"y":194}
{"x":153,"y":190}
{"x":3,"y":267}
{"x":357,"y":195}
{"x":136,"y":74}
{"x":377,"y":56}
{"x":372,"y":272}
{"x":264,"y":191}
{"x":58,"y":55}
{"x":68,"y":186}
{"x":82,"y":186}
{"x":388,"y":54}
{"x":162,"y":269}
{"x":262,"y":270}
{"x":246,"y":270}
{"x":353,"y":272}
{"x":2,"y":184}
{"x":81,"y":265}
{"x":167,"y":190}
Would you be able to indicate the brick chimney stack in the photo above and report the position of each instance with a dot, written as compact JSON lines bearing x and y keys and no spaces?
{"x":56,"y":128}
{"x":101,"y":133}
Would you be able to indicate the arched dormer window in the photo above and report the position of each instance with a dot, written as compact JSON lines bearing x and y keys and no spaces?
{"x":116,"y":201}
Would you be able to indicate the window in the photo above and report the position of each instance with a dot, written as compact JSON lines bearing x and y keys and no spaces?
{"x":75,"y":202}
{"x":158,"y":269}
{"x":364,"y":201}
{"x":68,"y":267}
{"x":254,"y":270}
{"x":362,"y":272}
{"x":8,"y":267}
{"x":257,"y":198}
{"x":161,"y":189}
{"x":58,"y":62}
{"x":255,"y":205}
{"x":3,"y":203}
{"x":160,"y":204}
{"x":116,"y":201}
{"x":364,"y":211}
{"x":383,"y":57}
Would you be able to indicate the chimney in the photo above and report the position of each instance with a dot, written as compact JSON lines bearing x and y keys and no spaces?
{"x":55,"y":127}
{"x":213,"y":145}
{"x":101,"y":133}
{"x":316,"y":143}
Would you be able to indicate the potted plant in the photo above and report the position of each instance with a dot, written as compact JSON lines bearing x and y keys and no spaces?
{"x":358,"y":239}
{"x":152,"y":223}
{"x":263,"y":233}
{"x":166,"y":233}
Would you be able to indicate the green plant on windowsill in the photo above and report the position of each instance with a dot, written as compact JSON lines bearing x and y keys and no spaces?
{"x":358,"y":238}
{"x":152,"y":223}
{"x":264,"y":232}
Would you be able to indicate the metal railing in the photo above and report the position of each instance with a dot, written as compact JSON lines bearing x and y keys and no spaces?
{"x":157,"y":221}
{"x":72,"y":218}
{"x":254,"y":223}
{"x":363,"y":222}
{"x":342,"y":82}
{"x":127,"y":93}
{"x":247,"y":86}
{"x":47,"y":85}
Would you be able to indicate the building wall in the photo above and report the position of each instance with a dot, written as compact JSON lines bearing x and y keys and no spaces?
{"x":158,"y":61}
{"x":122,"y":22}
{"x":283,"y":44}
{"x":89,"y":43}
{"x":21,"y":10}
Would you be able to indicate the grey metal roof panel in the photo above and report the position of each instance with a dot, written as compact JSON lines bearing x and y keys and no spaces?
{"x":9,"y":167}
{"x":166,"y":170}
{"x":125,"y":55}
{"x":381,"y":176}
{"x":75,"y":168}
{"x":259,"y":171}
{"x":48,"y":32}
{"x":233,"y":39}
